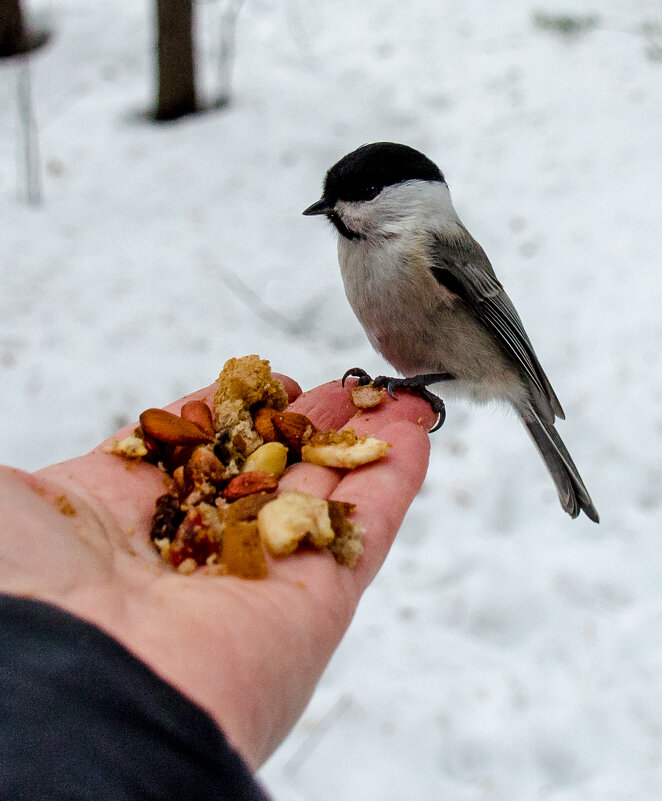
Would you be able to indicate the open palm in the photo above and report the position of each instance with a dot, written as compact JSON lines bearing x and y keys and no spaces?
{"x":248,"y":652}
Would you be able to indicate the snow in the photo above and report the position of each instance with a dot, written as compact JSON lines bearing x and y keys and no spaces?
{"x":505,"y":651}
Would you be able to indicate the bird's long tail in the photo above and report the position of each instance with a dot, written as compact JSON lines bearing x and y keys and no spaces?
{"x":572,"y":492}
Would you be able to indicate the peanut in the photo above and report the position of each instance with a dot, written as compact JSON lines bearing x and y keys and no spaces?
{"x":270,"y":457}
{"x":291,"y":517}
{"x":347,"y":456}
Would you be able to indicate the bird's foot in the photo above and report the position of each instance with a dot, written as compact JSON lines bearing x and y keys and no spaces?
{"x":418,"y":384}
{"x":357,"y":372}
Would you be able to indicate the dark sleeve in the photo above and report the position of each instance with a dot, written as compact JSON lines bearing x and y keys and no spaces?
{"x":81,"y":718}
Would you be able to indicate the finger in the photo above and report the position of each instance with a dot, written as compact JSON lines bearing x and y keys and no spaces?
{"x":291,"y":386}
{"x":129,"y":488}
{"x":310,"y":478}
{"x":383,"y":491}
{"x":328,"y":406}
{"x":121,"y":493}
{"x":331,"y":403}
{"x":406,"y":406}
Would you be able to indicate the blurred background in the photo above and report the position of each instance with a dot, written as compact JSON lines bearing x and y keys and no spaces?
{"x":505,"y":651}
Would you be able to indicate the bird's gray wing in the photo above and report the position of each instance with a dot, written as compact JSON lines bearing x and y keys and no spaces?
{"x":463,"y":268}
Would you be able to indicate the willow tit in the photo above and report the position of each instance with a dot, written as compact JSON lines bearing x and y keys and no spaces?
{"x":429,"y":301}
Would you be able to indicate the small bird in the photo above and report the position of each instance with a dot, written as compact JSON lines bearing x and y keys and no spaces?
{"x":429,"y":300}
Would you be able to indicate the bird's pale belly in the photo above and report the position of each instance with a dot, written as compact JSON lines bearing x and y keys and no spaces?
{"x":446,"y":340}
{"x":442,"y":337}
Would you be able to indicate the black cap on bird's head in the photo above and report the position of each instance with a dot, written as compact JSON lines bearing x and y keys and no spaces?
{"x":363,"y":173}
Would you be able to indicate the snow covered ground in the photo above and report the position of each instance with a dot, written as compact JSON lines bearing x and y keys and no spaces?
{"x":505,"y":652}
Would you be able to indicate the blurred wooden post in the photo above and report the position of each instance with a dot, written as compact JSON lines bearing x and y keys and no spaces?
{"x":13,"y":38}
{"x":175,"y":58}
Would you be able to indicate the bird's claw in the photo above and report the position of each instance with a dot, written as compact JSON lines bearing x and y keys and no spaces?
{"x":387,"y":383}
{"x":437,"y":405}
{"x":357,"y":372}
{"x":417,"y":384}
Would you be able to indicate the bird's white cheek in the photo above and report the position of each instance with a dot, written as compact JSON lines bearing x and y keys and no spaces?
{"x":355,"y":216}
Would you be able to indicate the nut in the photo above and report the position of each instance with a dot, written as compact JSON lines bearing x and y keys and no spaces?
{"x":199,"y":413}
{"x":367,"y":396}
{"x":154,"y":447}
{"x":363,"y":451}
{"x":294,"y":428}
{"x":263,"y":423}
{"x":179,"y":455}
{"x":242,"y":554}
{"x":247,"y":508}
{"x":250,"y":483}
{"x":272,"y":457}
{"x":222,"y":513}
{"x":203,"y":467}
{"x":188,"y":566}
{"x":290,"y":518}
{"x":338,"y":513}
{"x":179,"y":480}
{"x":169,"y":428}
{"x":198,"y":536}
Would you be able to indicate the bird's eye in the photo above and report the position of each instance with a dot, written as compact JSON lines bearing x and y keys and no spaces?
{"x":371,"y":192}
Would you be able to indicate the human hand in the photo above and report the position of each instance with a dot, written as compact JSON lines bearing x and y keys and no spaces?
{"x":76,"y":534}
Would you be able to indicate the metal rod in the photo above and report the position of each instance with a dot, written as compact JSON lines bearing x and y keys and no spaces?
{"x":31,"y":160}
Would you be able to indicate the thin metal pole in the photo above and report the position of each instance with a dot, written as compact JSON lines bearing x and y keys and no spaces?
{"x":28,"y":123}
{"x":228,"y":23}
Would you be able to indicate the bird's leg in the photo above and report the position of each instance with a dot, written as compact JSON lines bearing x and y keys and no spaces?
{"x":418,"y":384}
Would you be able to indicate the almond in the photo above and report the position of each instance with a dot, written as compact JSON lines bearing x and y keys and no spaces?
{"x":171,"y":429}
{"x":153,"y":447}
{"x":179,"y":480}
{"x":247,"y":508}
{"x":179,"y":455}
{"x":250,"y":483}
{"x":294,"y":428}
{"x":199,"y":413}
{"x":264,"y":424}
{"x":203,"y":467}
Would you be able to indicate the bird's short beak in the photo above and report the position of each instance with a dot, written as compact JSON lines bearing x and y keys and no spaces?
{"x":322,"y":206}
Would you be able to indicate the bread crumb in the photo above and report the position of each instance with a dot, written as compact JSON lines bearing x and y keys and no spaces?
{"x":131,"y":447}
{"x":64,"y":506}
{"x":242,"y":384}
